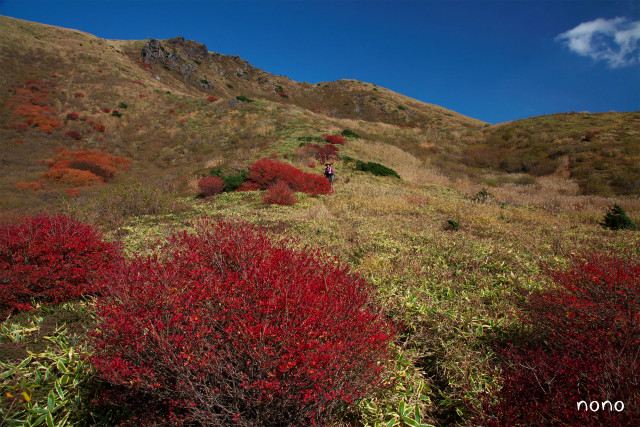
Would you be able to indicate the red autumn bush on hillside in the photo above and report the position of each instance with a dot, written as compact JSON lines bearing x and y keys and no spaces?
{"x":265,"y":172}
{"x":73,"y":134}
{"x":80,"y":168}
{"x":591,"y":323}
{"x":334,"y":139}
{"x":212,"y":99}
{"x":226,"y":327}
{"x":279,"y":193}
{"x":322,"y":152}
{"x":51,"y":259}
{"x":210,"y":185}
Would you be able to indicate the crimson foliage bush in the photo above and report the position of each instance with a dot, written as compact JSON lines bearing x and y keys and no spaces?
{"x":279,"y":193}
{"x":323,"y":153}
{"x":266,"y":172}
{"x":51,"y":259}
{"x":74,"y":134}
{"x":226,"y":327}
{"x":334,"y":139}
{"x":591,"y":323}
{"x":211,"y":185}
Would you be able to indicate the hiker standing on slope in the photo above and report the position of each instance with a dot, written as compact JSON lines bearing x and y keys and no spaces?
{"x":329,"y":173}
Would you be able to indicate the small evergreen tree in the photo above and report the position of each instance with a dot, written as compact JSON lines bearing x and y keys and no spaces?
{"x":616,"y":218}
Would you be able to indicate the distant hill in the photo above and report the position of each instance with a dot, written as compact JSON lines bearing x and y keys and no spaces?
{"x":599,"y":151}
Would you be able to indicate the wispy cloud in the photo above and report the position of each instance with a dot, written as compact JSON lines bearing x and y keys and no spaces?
{"x":615,"y":41}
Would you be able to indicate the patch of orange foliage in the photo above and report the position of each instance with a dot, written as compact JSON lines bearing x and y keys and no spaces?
{"x":73,"y":177}
{"x":83,"y":168}
{"x":30,"y":104}
{"x":27,"y":186}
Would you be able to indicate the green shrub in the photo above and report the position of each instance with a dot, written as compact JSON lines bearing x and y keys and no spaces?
{"x":306,"y":140}
{"x":348,"y":133}
{"x":452,"y":224}
{"x":616,"y":218}
{"x":376,"y":169}
{"x":483,"y":196}
{"x":215,"y":172}
{"x":122,"y":105}
{"x":243,"y":98}
{"x":232,"y":182}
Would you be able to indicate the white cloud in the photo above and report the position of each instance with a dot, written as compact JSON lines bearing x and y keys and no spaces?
{"x":615,"y":41}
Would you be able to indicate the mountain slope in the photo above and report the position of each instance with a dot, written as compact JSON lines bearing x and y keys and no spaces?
{"x":167,"y":121}
{"x":177,"y":112}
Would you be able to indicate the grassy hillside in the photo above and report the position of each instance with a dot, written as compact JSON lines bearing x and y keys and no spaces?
{"x":600,"y":152}
{"x":453,"y":247}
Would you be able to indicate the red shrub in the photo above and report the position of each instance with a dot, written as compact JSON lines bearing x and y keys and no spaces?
{"x":322,"y":153}
{"x":211,"y":185}
{"x":74,"y":134}
{"x":265,"y":172}
{"x":72,"y":116}
{"x":98,"y":127}
{"x":212,"y":99}
{"x":591,"y":323}
{"x":225,"y":327}
{"x":279,"y":193}
{"x":106,"y":110}
{"x":72,"y":191}
{"x":51,"y":259}
{"x":27,"y":186}
{"x":73,"y":177}
{"x":78,"y":95}
{"x":39,"y":116}
{"x":334,"y":139}
{"x":144,"y":64}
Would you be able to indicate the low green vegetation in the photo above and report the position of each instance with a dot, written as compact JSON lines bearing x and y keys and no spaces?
{"x":373,"y":168}
{"x":616,"y":219}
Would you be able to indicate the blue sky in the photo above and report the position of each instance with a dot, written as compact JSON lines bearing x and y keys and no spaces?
{"x":495,"y":60}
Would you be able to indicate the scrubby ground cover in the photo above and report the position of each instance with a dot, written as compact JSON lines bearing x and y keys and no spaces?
{"x":455,"y":294}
